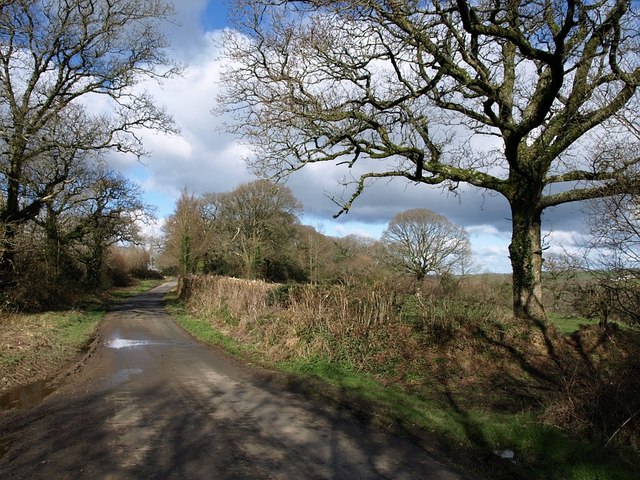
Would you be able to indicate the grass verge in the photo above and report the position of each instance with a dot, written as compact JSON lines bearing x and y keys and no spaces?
{"x":35,"y":347}
{"x":200,"y":329}
{"x":475,"y":438}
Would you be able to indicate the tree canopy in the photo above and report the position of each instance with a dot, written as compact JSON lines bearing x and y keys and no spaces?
{"x":527,"y":99}
{"x":249,"y":231}
{"x":421,"y":242}
{"x":56,"y":59}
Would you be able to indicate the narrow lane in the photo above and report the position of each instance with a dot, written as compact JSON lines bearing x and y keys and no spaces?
{"x":153,"y":403}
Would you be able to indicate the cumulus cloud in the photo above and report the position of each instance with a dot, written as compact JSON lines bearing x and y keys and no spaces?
{"x":203,"y":158}
{"x":200,"y":157}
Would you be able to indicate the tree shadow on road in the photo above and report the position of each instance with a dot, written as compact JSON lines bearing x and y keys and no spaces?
{"x":253,"y":430}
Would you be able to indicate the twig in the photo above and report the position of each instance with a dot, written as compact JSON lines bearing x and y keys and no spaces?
{"x":621,"y":427}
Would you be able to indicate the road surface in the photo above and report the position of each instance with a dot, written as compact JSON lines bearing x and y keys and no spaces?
{"x":152,"y":403}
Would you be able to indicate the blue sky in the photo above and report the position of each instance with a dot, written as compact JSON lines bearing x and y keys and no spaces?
{"x":214,"y":15}
{"x":204,"y":159}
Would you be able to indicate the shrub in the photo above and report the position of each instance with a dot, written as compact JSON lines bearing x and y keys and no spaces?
{"x":458,"y":337}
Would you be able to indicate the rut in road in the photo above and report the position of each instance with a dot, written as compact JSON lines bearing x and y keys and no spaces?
{"x":151,"y":402}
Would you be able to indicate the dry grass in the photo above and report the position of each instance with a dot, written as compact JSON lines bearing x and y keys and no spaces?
{"x":299,"y":320}
{"x":455,"y":339}
{"x":38,"y":346}
{"x":17,"y":339}
{"x":452,"y":337}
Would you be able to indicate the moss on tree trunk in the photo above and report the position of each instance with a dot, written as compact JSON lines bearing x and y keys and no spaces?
{"x":525,"y":252}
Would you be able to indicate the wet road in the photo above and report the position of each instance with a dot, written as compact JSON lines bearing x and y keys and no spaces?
{"x":151,"y":403}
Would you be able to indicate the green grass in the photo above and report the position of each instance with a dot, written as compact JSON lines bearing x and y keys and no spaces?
{"x":73,"y":329}
{"x":200,"y":328}
{"x":7,"y":360}
{"x":138,"y":288}
{"x":542,"y":452}
{"x":568,"y":324}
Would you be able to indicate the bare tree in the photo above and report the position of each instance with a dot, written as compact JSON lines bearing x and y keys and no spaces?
{"x":613,"y":253}
{"x":357,"y":260}
{"x":259,"y":218}
{"x":504,"y":96}
{"x":420,"y":242}
{"x":56,"y":58}
{"x":67,"y":247}
{"x":185,"y":233}
{"x":248,"y":231}
{"x":100,"y":208}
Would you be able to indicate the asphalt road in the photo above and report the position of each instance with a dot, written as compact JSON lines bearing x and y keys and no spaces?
{"x":152,"y":403}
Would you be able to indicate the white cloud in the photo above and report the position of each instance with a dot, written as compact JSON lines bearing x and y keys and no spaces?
{"x":204,"y":159}
{"x":175,"y":146}
{"x":483,"y":230}
{"x":152,"y":228}
{"x":355,"y":228}
{"x":200,"y":157}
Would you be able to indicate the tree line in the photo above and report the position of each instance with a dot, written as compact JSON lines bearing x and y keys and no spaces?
{"x":254,"y":231}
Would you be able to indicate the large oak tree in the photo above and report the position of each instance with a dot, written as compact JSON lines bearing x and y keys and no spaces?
{"x":504,"y":96}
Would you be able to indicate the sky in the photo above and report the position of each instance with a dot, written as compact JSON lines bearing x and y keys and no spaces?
{"x":202,"y":158}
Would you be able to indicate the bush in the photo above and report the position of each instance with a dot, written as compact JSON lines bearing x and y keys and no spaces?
{"x":362,"y":324}
{"x":282,"y":295}
{"x":601,"y":400}
{"x":146,"y":274}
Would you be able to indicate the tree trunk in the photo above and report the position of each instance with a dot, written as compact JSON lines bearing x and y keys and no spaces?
{"x":95,"y":262}
{"x":7,"y":256}
{"x":10,"y":221}
{"x":185,"y":255}
{"x":526,"y":260}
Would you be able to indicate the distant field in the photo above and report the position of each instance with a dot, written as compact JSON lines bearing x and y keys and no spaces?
{"x":568,"y":324}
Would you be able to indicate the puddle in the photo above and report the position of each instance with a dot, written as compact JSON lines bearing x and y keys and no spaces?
{"x":126,"y":343}
{"x":506,"y":454}
{"x":124,"y":374}
{"x":25,"y":397}
{"x":118,"y":343}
